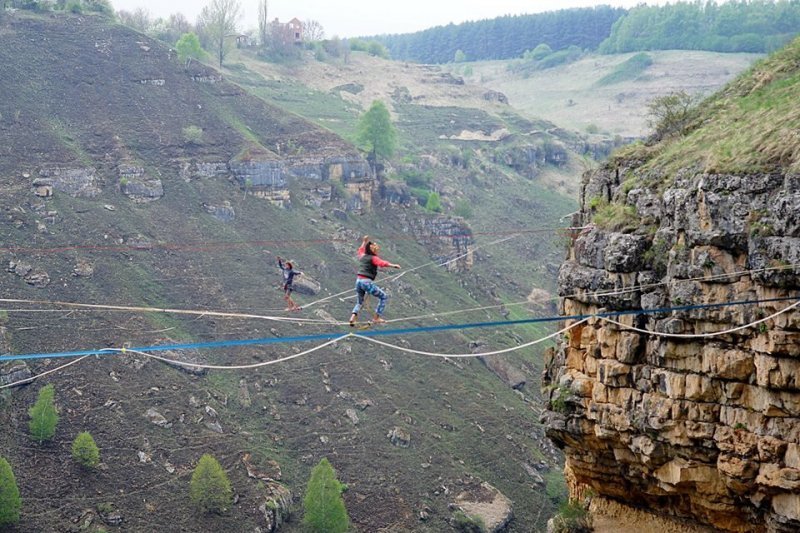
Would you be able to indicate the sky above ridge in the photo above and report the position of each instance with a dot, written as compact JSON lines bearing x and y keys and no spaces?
{"x":352,"y":18}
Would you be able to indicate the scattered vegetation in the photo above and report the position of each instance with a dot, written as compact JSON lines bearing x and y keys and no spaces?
{"x":534,"y":61}
{"x":630,"y":69}
{"x":754,"y":120}
{"x":558,"y":401}
{"x":210,"y":488}
{"x":84,"y":450}
{"x":463,"y":208}
{"x":10,"y":502}
{"x":759,"y":225}
{"x":468,"y":524}
{"x":193,"y":135}
{"x":43,"y":415}
{"x":616,"y":217}
{"x":324,"y":510}
{"x":656,"y":257}
{"x":572,"y":518}
{"x":671,"y":114}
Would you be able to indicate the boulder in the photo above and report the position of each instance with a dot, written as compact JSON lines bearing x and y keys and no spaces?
{"x":487,"y":503}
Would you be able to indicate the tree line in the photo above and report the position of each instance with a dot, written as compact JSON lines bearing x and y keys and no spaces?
{"x":735,"y":26}
{"x":757,"y":26}
{"x":505,"y":37}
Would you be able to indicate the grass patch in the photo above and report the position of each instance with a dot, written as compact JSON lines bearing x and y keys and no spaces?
{"x":615,"y":216}
{"x":630,"y":69}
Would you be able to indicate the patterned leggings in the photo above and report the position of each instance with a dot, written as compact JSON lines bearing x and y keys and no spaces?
{"x":367,"y":286}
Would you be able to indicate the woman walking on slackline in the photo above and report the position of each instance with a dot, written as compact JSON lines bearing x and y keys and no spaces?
{"x":368,"y":265}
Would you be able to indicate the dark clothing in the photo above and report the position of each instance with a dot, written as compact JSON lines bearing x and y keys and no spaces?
{"x":368,"y":264}
{"x":288,"y":276}
{"x":366,"y":268}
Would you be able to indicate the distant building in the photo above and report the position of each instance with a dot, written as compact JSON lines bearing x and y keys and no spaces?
{"x":288,"y":33}
{"x":243,"y":41}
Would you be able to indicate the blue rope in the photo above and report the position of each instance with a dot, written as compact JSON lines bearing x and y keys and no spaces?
{"x":381,"y":332}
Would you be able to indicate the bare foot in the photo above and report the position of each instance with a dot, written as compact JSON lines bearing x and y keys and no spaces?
{"x":378,"y":320}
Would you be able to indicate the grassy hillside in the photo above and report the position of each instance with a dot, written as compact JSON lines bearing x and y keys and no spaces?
{"x":572,"y":97}
{"x":80,"y":92}
{"x":755,"y":124}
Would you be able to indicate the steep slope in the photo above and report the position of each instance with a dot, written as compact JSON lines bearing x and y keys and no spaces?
{"x":132,"y":179}
{"x":674,"y":417}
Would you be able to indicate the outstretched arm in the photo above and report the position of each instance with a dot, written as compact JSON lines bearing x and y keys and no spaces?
{"x":363,"y":248}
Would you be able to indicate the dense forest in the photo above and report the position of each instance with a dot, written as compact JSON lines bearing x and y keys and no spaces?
{"x":734,"y":26}
{"x":505,"y":37}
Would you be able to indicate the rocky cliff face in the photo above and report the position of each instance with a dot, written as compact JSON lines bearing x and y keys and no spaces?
{"x":699,"y":428}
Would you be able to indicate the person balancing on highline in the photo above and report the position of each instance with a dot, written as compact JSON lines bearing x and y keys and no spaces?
{"x":368,"y":264}
{"x":288,"y":279}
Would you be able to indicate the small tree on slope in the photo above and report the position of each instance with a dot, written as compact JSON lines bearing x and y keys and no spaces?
{"x":376,"y":133}
{"x":10,"y":502}
{"x":323,"y":504}
{"x":43,"y":415}
{"x":85,"y":451}
{"x":210,"y":488}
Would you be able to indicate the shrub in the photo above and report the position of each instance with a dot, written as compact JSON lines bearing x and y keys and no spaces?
{"x":434,"y":203}
{"x":43,"y":415}
{"x":85,"y":451}
{"x":210,"y":488}
{"x":468,"y":524}
{"x":616,"y":217}
{"x":541,"y":51}
{"x":572,"y":518}
{"x":10,"y":502}
{"x":74,"y":7}
{"x":323,"y":504}
{"x":193,"y":135}
{"x":103,"y":7}
{"x":671,"y":114}
{"x":378,"y":50}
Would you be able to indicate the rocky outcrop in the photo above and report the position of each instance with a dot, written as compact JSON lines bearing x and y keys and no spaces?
{"x":276,"y":507}
{"x":705,"y":429}
{"x":13,"y":372}
{"x":449,"y":239}
{"x":266,"y":175}
{"x":136,"y":184}
{"x":530,"y":159}
{"x":76,"y":182}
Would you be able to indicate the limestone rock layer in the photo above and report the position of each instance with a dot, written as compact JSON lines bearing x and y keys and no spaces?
{"x":699,"y":428}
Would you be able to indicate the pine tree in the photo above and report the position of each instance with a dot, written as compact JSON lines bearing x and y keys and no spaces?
{"x":85,"y":451}
{"x":10,"y":502}
{"x":210,"y":488}
{"x":323,"y":504}
{"x":43,"y":415}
